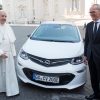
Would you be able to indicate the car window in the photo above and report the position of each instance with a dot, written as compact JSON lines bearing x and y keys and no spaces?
{"x":56,"y":32}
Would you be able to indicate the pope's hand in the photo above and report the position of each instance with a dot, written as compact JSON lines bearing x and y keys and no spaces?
{"x":4,"y":56}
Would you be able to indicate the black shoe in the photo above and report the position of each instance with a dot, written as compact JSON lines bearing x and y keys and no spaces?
{"x":93,"y":96}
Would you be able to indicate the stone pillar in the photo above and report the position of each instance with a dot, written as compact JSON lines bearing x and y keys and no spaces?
{"x":39,"y":11}
{"x":98,"y":1}
{"x":88,"y":4}
{"x":51,"y":9}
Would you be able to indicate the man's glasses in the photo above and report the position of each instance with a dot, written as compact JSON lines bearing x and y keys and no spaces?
{"x":91,"y":12}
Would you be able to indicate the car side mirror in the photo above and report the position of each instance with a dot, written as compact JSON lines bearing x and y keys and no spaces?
{"x":83,"y":39}
{"x":28,"y":35}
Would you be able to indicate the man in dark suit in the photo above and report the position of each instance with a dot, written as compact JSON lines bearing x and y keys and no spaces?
{"x":92,"y":50}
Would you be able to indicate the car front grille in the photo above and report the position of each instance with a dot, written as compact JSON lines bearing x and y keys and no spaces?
{"x":64,"y":78}
{"x":49,"y":62}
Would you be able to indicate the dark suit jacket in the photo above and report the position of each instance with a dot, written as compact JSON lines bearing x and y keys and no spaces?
{"x":92,"y":43}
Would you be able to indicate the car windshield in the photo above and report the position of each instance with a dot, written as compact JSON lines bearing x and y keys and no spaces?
{"x":57,"y":33}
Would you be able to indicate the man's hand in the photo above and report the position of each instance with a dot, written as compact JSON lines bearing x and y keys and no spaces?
{"x":4,"y":56}
{"x":85,"y":60}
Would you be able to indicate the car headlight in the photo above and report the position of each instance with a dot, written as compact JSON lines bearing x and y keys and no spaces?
{"x":77,"y":60}
{"x":23,"y":55}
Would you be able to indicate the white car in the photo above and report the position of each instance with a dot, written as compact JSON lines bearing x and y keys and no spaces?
{"x":52,"y":57}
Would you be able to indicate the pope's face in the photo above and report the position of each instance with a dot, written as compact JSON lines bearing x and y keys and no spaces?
{"x":3,"y":17}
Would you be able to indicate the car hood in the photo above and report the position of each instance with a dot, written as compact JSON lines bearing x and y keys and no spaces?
{"x":47,"y":49}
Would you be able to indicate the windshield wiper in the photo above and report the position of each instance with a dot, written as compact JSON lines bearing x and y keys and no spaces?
{"x":60,"y":41}
{"x":71,"y":41}
{"x":54,"y":40}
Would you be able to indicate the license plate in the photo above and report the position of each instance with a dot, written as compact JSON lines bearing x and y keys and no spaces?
{"x":46,"y":78}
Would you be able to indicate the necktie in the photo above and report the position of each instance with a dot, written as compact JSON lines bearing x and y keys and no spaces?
{"x":95,"y":28}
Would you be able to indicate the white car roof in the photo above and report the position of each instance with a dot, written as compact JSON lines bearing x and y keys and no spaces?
{"x":58,"y":22}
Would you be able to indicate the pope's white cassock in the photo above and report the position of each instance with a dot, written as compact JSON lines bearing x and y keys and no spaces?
{"x":8,"y":78}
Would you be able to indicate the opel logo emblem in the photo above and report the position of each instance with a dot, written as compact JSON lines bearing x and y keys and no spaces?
{"x":47,"y":62}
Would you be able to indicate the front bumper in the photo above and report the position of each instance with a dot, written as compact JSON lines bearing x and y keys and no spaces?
{"x":68,"y":79}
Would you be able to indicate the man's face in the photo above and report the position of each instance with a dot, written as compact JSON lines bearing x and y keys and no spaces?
{"x":3,"y":17}
{"x":94,"y":13}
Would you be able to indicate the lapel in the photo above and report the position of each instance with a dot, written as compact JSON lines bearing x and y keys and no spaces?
{"x":91,"y":30}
